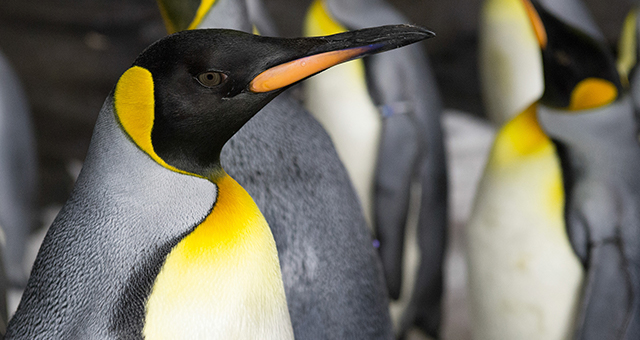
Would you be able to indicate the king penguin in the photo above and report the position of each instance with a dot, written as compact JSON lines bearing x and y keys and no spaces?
{"x":591,"y":118}
{"x":524,"y":277}
{"x":18,"y":175}
{"x":398,"y":143}
{"x":331,"y":272}
{"x":156,"y":240}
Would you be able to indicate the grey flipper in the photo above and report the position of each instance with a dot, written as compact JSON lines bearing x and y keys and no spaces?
{"x":396,"y":161}
{"x":576,"y":14}
{"x":600,"y":158}
{"x":332,"y":277}
{"x":403,"y":79}
{"x":18,"y":168}
{"x":100,"y":256}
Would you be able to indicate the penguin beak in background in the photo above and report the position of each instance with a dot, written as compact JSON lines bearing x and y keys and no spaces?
{"x":308,"y":56}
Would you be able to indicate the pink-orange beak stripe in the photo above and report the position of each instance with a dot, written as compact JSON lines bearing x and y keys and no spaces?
{"x":288,"y":73}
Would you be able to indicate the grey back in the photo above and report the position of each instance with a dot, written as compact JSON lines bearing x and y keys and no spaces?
{"x":103,"y":251}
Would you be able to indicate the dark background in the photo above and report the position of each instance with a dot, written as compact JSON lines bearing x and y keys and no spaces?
{"x":69,"y":54}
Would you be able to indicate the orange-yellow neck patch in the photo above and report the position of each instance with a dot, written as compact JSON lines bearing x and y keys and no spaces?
{"x":524,"y":132}
{"x":521,"y":137}
{"x":135,"y":110}
{"x":221,"y":278}
{"x":592,"y":93}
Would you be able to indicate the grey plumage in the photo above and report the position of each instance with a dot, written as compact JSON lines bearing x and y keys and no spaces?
{"x":601,"y":157}
{"x":18,"y":168}
{"x":83,"y":273}
{"x":287,"y":163}
{"x":411,"y":150}
{"x":332,"y":276}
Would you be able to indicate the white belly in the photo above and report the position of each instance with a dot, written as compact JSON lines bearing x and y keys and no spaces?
{"x":524,"y":278}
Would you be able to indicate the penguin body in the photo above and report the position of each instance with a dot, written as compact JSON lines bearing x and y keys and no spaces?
{"x":602,"y":156}
{"x":156,"y":236}
{"x":398,"y":144}
{"x":524,"y":278}
{"x":76,"y":247}
{"x":18,"y":173}
{"x":591,"y":119}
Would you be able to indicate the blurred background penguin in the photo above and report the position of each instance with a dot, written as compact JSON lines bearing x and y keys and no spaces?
{"x":18,"y":184}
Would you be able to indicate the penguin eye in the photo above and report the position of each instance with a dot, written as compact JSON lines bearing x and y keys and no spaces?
{"x":211,"y":78}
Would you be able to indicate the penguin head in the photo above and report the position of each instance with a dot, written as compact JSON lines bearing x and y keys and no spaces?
{"x":579,"y":71}
{"x":188,"y":93}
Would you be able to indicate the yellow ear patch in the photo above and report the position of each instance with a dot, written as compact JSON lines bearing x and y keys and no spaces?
{"x":591,"y":93}
{"x":135,"y":110}
{"x":319,"y":22}
{"x":536,"y":23}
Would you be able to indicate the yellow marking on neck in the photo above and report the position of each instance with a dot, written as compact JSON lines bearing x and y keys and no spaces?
{"x":591,"y":93}
{"x":628,"y":46}
{"x":135,"y":110}
{"x":222,"y":280}
{"x":319,"y":22}
{"x":204,"y":8}
{"x":521,"y":137}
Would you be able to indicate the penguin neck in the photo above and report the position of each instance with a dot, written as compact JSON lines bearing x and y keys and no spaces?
{"x":223,"y":280}
{"x":521,"y":137}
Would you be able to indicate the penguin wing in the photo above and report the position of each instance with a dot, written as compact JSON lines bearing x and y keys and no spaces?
{"x":609,"y":299}
{"x":403,"y":83}
{"x":396,"y":159}
{"x":100,"y":257}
